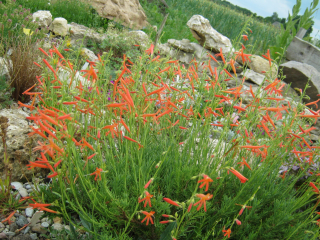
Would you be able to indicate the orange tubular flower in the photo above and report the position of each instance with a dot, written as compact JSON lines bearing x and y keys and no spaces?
{"x":205,"y":182}
{"x":146,"y":199}
{"x":316,"y":190}
{"x":9,"y":217}
{"x":239,"y":175}
{"x":245,"y":37}
{"x":148,"y":183}
{"x":244,"y":162}
{"x":227,"y":232}
{"x":267,"y":56}
{"x":202,"y":201}
{"x":168,"y":200}
{"x":97,"y":172}
{"x":42,"y":206}
{"x":148,"y":217}
{"x":150,"y":52}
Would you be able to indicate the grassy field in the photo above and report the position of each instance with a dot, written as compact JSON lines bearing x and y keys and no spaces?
{"x":226,"y":21}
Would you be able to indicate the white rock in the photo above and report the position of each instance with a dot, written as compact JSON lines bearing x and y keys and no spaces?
{"x":140,"y":37}
{"x":29,"y":212}
{"x":207,"y":36}
{"x":59,"y":26}
{"x":16,"y":185}
{"x":36,"y":217}
{"x":3,"y":67}
{"x":23,"y":192}
{"x":65,"y":75}
{"x":88,"y":54}
{"x":57,"y":226}
{"x":43,"y":18}
{"x":253,"y":76}
{"x":45,"y":224}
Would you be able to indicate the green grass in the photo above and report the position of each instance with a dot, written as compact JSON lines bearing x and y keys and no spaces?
{"x":226,"y":21}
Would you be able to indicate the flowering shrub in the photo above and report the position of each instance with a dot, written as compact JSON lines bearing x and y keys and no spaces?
{"x":145,"y":163}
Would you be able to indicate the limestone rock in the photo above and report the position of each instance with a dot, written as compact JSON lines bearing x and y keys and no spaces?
{"x":253,"y":77}
{"x":59,"y":26}
{"x":65,"y":75}
{"x":43,"y":18}
{"x":79,"y":32}
{"x":298,"y":75}
{"x":39,"y":229}
{"x":260,"y":65}
{"x":175,"y":49}
{"x":207,"y":36}
{"x":35,"y":218}
{"x":19,"y":145}
{"x":127,"y":12}
{"x":3,"y":67}
{"x":140,"y":37}
{"x":183,"y":45}
{"x":88,"y":54}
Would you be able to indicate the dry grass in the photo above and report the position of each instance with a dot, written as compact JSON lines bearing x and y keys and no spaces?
{"x":22,"y":70}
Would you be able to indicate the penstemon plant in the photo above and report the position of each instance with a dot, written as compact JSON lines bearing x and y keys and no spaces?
{"x":147,"y":162}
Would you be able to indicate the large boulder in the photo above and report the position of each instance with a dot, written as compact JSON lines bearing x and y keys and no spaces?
{"x":184,"y":51}
{"x":127,"y":12}
{"x":43,"y":18}
{"x":59,"y":26}
{"x":207,"y":36}
{"x":19,"y":146}
{"x":299,"y":74}
{"x":79,"y":33}
{"x":139,"y":37}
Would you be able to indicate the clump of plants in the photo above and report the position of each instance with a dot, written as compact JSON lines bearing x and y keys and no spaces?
{"x":16,"y":21}
{"x":134,"y":155}
{"x":72,"y":10}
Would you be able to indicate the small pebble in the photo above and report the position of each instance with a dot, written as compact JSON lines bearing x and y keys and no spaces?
{"x":10,"y":234}
{"x":22,"y":220}
{"x":57,"y":220}
{"x":23,"y":192}
{"x":26,"y":230}
{"x":45,"y":224}
{"x":35,"y":218}
{"x":29,"y":190}
{"x":13,"y":227}
{"x":33,"y":236}
{"x":2,"y":226}
{"x":29,"y":212}
{"x":3,"y":235}
{"x":57,"y":226}
{"x":27,"y":186}
{"x":38,"y":228}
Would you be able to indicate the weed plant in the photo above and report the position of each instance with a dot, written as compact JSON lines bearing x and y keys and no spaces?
{"x":21,"y":67}
{"x":138,"y":156}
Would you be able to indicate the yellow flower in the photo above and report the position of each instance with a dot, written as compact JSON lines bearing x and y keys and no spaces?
{"x":68,"y":43}
{"x":27,"y":32}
